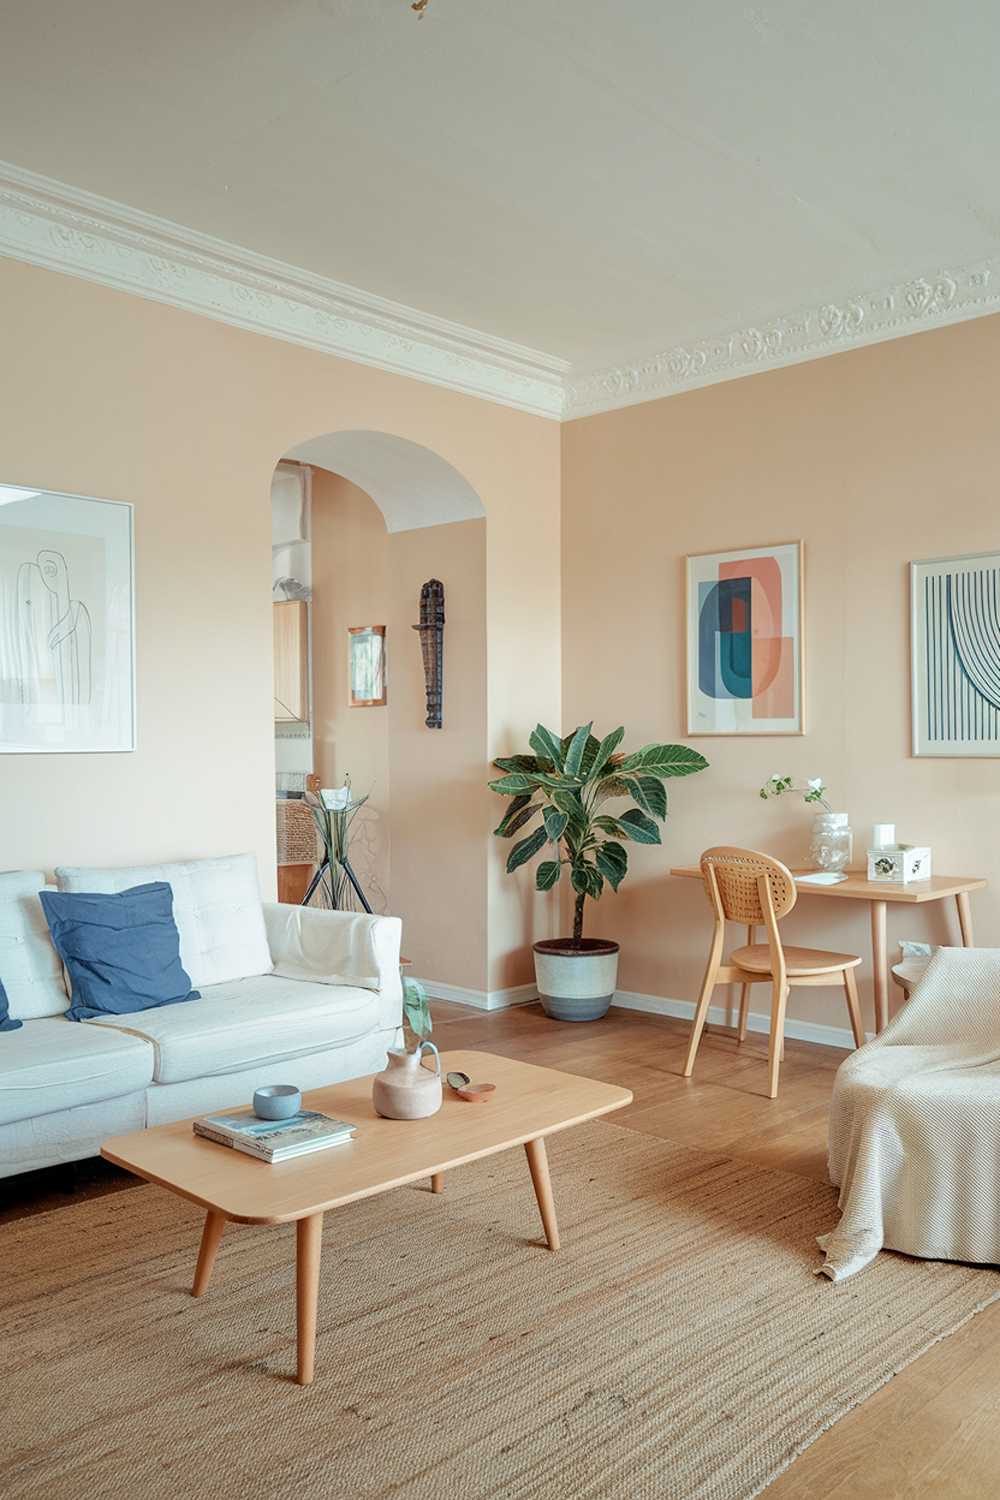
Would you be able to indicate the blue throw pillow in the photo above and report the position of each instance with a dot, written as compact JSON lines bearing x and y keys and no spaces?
{"x":122,"y":951}
{"x":6,"y":1023}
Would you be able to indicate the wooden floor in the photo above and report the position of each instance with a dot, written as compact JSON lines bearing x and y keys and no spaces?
{"x":933,"y":1431}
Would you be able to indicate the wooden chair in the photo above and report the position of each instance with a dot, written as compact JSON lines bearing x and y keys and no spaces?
{"x":744,"y":886}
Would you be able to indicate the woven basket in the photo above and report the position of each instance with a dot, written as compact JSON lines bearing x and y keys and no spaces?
{"x":296,"y":833}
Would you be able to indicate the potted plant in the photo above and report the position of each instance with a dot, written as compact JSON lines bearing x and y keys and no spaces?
{"x":570,"y":782}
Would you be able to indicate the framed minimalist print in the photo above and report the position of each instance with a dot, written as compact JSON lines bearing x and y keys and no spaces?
{"x":67,"y":634}
{"x":366,"y":666}
{"x":955,"y":655}
{"x":744,"y":641}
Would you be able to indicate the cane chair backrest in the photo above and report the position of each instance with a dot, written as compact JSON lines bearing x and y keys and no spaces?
{"x":736,"y":874}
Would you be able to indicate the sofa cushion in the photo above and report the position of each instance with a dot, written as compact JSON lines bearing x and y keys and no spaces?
{"x":217,"y":909}
{"x":50,"y":1064}
{"x":246,"y":1023}
{"x":121,"y":950}
{"x":29,"y":965}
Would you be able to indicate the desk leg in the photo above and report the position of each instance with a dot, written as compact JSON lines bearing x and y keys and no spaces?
{"x":308,"y":1244}
{"x":880,"y":966}
{"x":965,"y":919}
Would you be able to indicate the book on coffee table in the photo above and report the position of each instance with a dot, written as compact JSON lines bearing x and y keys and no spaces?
{"x":274,"y":1140}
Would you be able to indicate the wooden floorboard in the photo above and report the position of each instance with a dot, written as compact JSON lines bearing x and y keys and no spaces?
{"x":933,"y":1431}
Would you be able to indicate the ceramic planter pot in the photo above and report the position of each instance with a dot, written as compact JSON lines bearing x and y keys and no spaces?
{"x":576,"y":977}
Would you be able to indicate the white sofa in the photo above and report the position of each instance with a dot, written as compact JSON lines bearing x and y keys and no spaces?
{"x":288,"y":995}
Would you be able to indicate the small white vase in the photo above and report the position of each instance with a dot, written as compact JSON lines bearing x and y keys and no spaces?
{"x":406,"y":1090}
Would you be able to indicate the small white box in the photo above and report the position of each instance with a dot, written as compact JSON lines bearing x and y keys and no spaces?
{"x":900,"y":863}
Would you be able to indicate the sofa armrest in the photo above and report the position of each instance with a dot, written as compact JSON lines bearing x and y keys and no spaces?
{"x":339,"y":948}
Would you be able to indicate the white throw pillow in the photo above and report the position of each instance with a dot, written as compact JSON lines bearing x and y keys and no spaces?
{"x":30,"y":967}
{"x":217,"y":908}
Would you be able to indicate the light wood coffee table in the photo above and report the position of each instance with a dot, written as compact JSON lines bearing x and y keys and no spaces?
{"x":529,"y":1104}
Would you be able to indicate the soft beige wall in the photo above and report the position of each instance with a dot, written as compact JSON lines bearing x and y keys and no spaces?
{"x":105,"y":394}
{"x":350,"y":572}
{"x":440,"y":807}
{"x":873,"y":457}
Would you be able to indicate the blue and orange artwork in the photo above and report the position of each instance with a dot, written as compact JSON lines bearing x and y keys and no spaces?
{"x":743,"y":642}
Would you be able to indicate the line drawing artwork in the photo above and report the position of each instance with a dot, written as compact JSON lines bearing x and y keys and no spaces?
{"x":53,"y":634}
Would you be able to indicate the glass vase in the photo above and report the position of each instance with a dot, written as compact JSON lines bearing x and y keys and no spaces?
{"x":832,"y":842}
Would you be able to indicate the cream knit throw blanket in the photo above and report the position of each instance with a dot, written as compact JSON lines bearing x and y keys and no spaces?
{"x":915,"y":1125}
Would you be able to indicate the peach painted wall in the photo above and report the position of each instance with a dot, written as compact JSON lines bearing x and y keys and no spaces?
{"x":874,"y":458}
{"x":105,"y":394}
{"x":440,"y":807}
{"x":350,"y":570}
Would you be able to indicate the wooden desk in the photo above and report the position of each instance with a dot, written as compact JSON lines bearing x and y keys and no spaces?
{"x":878,"y":893}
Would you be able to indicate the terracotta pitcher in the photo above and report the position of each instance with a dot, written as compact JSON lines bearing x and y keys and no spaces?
{"x":406,"y":1090}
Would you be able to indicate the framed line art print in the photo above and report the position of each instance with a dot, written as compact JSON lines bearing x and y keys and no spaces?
{"x":67,"y":629}
{"x":366,"y":666}
{"x":955,"y":655}
{"x":745,"y":649}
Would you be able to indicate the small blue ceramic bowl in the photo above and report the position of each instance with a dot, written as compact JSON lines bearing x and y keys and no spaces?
{"x":279,"y":1101}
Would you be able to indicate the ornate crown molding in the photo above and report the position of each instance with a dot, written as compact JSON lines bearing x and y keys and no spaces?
{"x":906,"y":307}
{"x":66,"y":229}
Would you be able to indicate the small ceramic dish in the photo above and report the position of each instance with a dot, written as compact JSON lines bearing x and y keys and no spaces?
{"x":277,"y":1101}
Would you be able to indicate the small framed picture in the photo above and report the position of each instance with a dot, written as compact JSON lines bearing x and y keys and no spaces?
{"x":955,"y":655}
{"x":366,"y":666}
{"x":745,"y":641}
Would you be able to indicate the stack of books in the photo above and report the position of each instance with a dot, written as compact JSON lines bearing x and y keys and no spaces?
{"x":275,"y":1140}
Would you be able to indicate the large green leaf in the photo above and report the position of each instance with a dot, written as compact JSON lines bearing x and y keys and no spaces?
{"x":547,"y":874}
{"x":604,"y":751}
{"x":547,"y":745}
{"x":615,"y":786}
{"x":514,"y":784}
{"x":522,"y":763}
{"x":587,"y":880}
{"x":665,"y":760}
{"x":555,"y":823}
{"x":589,"y":752}
{"x":612,"y":861}
{"x":556,"y":782}
{"x":577,"y":745}
{"x":650,"y":793}
{"x":570,"y":804}
{"x":639,"y":827}
{"x":525,"y":850}
{"x":520,"y":811}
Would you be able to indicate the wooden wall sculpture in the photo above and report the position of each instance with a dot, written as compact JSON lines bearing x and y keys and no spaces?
{"x":431,"y":630}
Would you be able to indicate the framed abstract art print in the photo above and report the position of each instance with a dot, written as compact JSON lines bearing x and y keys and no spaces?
{"x":955,"y":655}
{"x":745,"y":641}
{"x":67,"y":635}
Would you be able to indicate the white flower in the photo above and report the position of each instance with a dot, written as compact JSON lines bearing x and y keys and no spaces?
{"x":815,"y":783}
{"x":775,"y":777}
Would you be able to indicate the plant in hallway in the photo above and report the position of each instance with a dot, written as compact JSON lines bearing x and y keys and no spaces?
{"x":572,"y":784}
{"x":417,"y":1021}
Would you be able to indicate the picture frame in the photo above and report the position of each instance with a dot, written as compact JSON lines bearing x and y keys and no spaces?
{"x":67,"y":623}
{"x":955,"y":656}
{"x":745,"y":641}
{"x":366,"y":674}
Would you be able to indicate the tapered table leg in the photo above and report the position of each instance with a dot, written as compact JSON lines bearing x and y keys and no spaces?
{"x":880,"y":966}
{"x":965,"y":919}
{"x":308,"y":1245}
{"x":538,"y":1165}
{"x":437,"y":1182}
{"x":215,"y":1223}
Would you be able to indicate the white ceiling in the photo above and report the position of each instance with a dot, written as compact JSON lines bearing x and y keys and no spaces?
{"x":598,"y":181}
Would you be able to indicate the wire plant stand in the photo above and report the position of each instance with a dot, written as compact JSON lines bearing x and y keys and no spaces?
{"x":335,"y":874}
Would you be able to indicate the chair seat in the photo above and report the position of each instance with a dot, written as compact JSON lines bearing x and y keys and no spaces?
{"x":756,"y":959}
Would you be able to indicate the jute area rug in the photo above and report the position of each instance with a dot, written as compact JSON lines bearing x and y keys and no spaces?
{"x":678,"y":1347}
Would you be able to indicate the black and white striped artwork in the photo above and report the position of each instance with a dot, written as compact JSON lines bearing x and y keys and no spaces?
{"x":955,"y":604}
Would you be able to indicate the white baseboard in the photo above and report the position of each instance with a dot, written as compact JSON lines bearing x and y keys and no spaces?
{"x":719,"y":1015}
{"x":518,"y":994}
{"x":654,"y":1005}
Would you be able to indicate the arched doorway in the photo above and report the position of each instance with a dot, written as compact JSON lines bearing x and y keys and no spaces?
{"x":386,"y":515}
